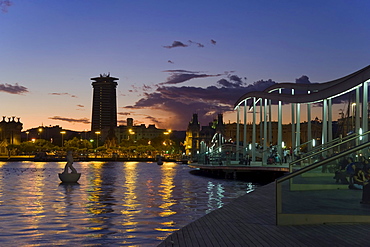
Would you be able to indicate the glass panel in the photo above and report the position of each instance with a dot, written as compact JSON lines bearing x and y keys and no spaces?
{"x":327,"y":187}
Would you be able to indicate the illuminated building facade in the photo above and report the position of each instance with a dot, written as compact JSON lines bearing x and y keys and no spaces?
{"x":137,"y":132}
{"x":197,"y":135}
{"x":10,"y":133}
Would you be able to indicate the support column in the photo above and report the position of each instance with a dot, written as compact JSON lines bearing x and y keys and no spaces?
{"x":254,"y":131}
{"x":261,"y":133}
{"x":265,"y":154}
{"x":280,"y":129}
{"x":330,"y":122}
{"x":293,"y":124}
{"x":270,"y":123}
{"x":245,"y":129}
{"x":309,"y":132}
{"x":357,"y":111}
{"x":237,"y":133}
{"x":324,"y":122}
{"x":365,"y":114}
{"x":298,"y":132}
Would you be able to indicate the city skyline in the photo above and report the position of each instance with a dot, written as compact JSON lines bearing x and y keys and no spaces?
{"x":173,"y":59}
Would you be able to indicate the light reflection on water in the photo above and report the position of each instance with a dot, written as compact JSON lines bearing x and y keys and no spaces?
{"x":114,"y":204}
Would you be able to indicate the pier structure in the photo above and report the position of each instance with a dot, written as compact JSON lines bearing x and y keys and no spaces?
{"x":310,"y":205}
{"x":300,"y":95}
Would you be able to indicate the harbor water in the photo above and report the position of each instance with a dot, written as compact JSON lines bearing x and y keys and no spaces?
{"x":113,"y":204}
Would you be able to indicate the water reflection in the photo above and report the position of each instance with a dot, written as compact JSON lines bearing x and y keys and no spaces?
{"x":166,"y":192}
{"x":130,"y":200}
{"x":114,"y":203}
{"x":215,"y":195}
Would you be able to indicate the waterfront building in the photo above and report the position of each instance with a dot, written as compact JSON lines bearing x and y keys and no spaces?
{"x":198,"y":136}
{"x":10,"y":133}
{"x":192,"y":136}
{"x":138,"y":132}
{"x":104,"y":104}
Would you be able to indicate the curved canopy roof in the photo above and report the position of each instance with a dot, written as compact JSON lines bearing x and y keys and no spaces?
{"x":314,"y":91}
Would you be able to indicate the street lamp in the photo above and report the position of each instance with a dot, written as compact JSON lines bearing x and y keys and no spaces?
{"x":97,"y":138}
{"x":40,"y":131}
{"x":62,"y":132}
{"x":27,"y":132}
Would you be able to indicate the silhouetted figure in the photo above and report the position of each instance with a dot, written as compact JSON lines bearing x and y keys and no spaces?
{"x":69,"y":163}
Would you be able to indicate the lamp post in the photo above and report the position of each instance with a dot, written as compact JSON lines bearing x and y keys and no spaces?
{"x":62,"y":132}
{"x":27,"y":132}
{"x":97,"y":138}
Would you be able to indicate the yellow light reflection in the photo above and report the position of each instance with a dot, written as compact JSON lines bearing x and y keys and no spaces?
{"x":96,"y":207}
{"x":166,"y":229}
{"x":32,"y":176}
{"x":166,"y":191}
{"x":130,"y":199}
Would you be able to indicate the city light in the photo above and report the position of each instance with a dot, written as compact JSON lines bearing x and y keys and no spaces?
{"x":40,"y":132}
{"x":62,"y":132}
{"x":97,"y":138}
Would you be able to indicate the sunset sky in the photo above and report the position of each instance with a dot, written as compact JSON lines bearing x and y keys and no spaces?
{"x":172,"y":58}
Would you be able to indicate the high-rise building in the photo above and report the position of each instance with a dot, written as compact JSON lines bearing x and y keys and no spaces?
{"x":104,"y":105}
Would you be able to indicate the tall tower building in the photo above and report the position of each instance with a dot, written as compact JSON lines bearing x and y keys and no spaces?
{"x":104,"y":106}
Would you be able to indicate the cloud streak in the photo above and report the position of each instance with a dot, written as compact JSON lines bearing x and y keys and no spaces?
{"x":13,"y":89}
{"x":71,"y":120}
{"x":175,"y":44}
{"x":63,"y":94}
{"x":179,"y":76}
{"x":4,"y":5}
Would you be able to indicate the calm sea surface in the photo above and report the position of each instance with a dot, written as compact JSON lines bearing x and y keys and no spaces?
{"x":114,"y":204}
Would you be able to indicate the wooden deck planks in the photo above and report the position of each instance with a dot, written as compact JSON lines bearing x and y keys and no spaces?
{"x":250,"y":221}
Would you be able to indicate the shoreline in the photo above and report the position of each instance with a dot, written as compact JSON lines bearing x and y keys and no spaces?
{"x":26,"y":158}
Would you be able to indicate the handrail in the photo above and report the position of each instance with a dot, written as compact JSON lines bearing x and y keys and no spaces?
{"x":327,"y":148}
{"x":336,"y":140}
{"x":321,"y":162}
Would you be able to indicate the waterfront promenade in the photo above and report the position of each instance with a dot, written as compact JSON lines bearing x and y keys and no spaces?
{"x":250,"y":220}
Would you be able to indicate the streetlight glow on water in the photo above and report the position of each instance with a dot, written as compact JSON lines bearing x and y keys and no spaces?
{"x":115,"y":203}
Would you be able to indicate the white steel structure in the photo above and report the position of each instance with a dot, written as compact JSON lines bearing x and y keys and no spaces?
{"x":303,"y":94}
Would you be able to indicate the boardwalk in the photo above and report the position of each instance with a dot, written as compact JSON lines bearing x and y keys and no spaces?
{"x":250,"y":221}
